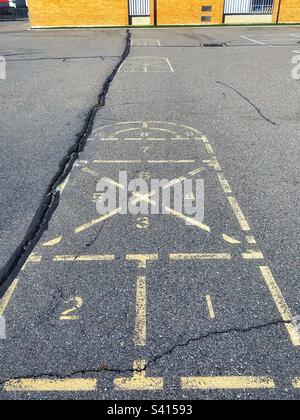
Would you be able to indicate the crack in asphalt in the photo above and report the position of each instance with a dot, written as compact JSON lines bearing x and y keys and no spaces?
{"x":64,"y":59}
{"x":260,"y":113}
{"x":51,"y":199}
{"x":186,"y":343}
{"x":104,"y":368}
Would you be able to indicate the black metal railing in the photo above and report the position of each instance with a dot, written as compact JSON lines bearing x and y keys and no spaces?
{"x":12,"y":13}
{"x":253,"y":7}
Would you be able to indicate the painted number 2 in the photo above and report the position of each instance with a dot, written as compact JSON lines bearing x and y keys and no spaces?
{"x":71,"y":313}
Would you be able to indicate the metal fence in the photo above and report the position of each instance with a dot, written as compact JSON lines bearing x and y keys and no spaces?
{"x":253,"y":7}
{"x":139,"y":7}
{"x":11,"y":13}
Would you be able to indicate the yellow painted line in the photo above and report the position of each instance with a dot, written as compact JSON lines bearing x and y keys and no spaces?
{"x":239,"y":214}
{"x":296,"y":383}
{"x":224,"y":183}
{"x":203,"y":138}
{"x":174,"y":182}
{"x":196,"y":171}
{"x":230,"y":382}
{"x":90,"y":172}
{"x":209,"y":149}
{"x":53,"y":242}
{"x":99,"y":220}
{"x":218,"y":256}
{"x":250,"y":239}
{"x":117,"y":161}
{"x":183,"y":178}
{"x":111,"y":139}
{"x":253,"y":255}
{"x":230,"y":240}
{"x":281,"y":304}
{"x":140,"y":331}
{"x":172,"y":161}
{"x":213,"y":163}
{"x":188,"y":220}
{"x":142,"y":259}
{"x":139,"y":381}
{"x":62,"y":186}
{"x":4,"y":302}
{"x":33,"y":258}
{"x":146,"y":198}
{"x":210,"y":307}
{"x":66,"y":258}
{"x":114,"y":183}
{"x":51,"y":385}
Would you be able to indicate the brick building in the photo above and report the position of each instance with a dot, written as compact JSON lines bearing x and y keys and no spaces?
{"x":89,"y":13}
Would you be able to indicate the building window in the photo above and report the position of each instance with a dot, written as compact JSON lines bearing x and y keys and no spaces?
{"x":206,"y":8}
{"x":205,"y":18}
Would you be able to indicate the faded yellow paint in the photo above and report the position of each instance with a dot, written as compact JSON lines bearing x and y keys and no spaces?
{"x":63,"y":185}
{"x":210,"y":307}
{"x":231,"y":240}
{"x":66,"y":315}
{"x":97,"y":221}
{"x":139,"y":381}
{"x":239,"y":214}
{"x":140,"y":331}
{"x":253,"y":255}
{"x":188,"y":220}
{"x":224,"y":183}
{"x":209,"y":149}
{"x":145,"y":198}
{"x":172,"y":161}
{"x":281,"y":304}
{"x":230,"y":382}
{"x":114,"y":183}
{"x":218,"y":256}
{"x":196,"y":171}
{"x":33,"y":258}
{"x":296,"y":383}
{"x":251,"y":240}
{"x":4,"y":302}
{"x":72,"y":258}
{"x":53,"y":242}
{"x":116,"y":161}
{"x":142,"y":259}
{"x":174,"y":182}
{"x":213,"y":163}
{"x":90,"y":172}
{"x":51,"y":385}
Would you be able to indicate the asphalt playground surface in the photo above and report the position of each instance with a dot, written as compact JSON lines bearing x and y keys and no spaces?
{"x":150,"y":307}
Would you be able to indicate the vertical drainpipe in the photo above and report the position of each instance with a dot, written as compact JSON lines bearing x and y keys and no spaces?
{"x":223,"y":10}
{"x":155,"y":12}
{"x":279,"y":10}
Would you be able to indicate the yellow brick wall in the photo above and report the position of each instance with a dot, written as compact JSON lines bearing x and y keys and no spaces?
{"x":78,"y":12}
{"x":188,"y":12}
{"x":115,"y":12}
{"x":289,"y":11}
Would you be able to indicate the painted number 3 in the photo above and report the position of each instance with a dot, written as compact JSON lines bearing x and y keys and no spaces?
{"x":143,"y":222}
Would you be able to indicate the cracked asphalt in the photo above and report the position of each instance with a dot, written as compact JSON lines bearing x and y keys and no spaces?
{"x":150,"y":307}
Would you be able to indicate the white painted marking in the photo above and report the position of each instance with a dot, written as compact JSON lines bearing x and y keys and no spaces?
{"x":146,"y":65}
{"x":145,"y":42}
{"x":253,"y":40}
